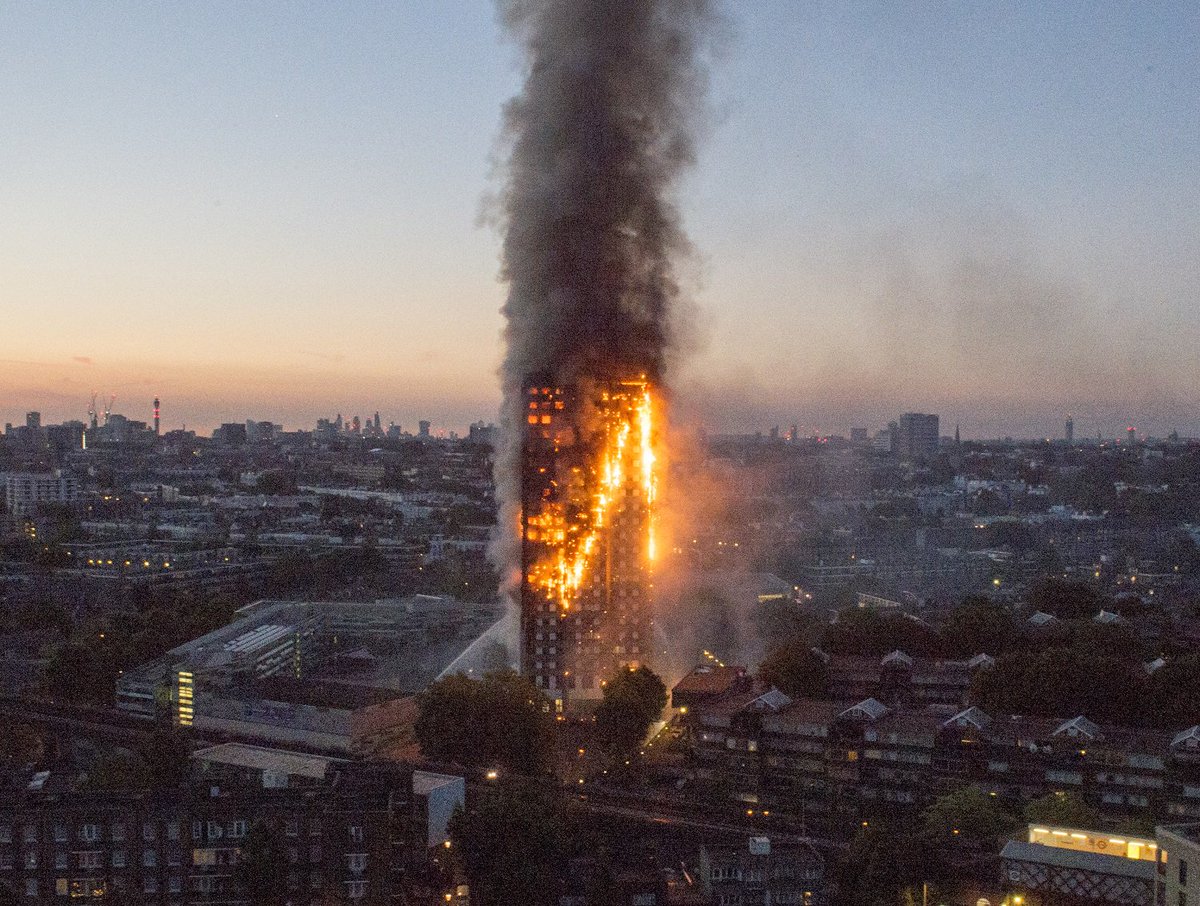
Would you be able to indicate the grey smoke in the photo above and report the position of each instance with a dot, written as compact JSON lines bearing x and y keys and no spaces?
{"x":597,"y":139}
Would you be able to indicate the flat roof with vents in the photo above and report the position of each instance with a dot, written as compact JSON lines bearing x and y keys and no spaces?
{"x":259,"y":637}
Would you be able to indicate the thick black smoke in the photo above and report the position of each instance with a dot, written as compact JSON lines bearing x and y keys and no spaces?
{"x":598,"y":137}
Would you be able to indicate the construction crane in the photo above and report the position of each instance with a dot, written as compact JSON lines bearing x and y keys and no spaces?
{"x":108,"y":409}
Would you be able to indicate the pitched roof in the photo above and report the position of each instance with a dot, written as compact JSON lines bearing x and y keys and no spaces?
{"x":1078,"y":726}
{"x":772,"y":700}
{"x":971,"y":717}
{"x":868,"y":709}
{"x":1110,"y":618}
{"x":710,"y":680}
{"x":1189,"y":737}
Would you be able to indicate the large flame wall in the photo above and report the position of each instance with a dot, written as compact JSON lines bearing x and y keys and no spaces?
{"x":589,"y":484}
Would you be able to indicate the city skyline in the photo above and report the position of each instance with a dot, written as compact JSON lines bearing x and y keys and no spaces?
{"x":251,"y":212}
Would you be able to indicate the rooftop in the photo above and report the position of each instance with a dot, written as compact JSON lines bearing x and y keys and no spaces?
{"x":1082,"y":861}
{"x":261,"y":758}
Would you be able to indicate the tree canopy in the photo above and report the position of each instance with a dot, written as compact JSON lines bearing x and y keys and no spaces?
{"x":966,"y":816}
{"x":796,"y":669}
{"x":511,"y":846}
{"x":633,"y":700}
{"x":1067,"y":809}
{"x":501,"y":721}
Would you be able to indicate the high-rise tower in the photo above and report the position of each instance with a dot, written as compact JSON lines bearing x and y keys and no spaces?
{"x":156,"y":416}
{"x":588,"y":484}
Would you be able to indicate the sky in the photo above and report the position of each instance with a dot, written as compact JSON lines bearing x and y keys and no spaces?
{"x":278,"y":211}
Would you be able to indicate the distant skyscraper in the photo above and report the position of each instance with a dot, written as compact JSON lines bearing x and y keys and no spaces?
{"x":422,"y":428}
{"x":1131,"y":434}
{"x":1069,"y":430}
{"x":156,"y":423}
{"x":916,"y":435}
{"x":33,"y":420}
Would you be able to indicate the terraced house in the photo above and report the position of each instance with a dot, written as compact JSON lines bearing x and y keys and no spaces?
{"x":852,"y":757}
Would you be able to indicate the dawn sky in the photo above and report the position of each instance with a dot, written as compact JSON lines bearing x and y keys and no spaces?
{"x":278,"y":211}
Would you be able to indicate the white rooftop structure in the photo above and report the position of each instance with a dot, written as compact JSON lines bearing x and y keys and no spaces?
{"x":261,"y":758}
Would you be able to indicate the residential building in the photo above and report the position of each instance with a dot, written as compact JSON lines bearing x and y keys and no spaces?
{"x":1178,"y":877}
{"x":26,"y":492}
{"x":345,"y":837}
{"x":763,"y":871}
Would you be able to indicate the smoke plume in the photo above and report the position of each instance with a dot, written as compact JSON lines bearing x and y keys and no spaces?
{"x":597,"y":139}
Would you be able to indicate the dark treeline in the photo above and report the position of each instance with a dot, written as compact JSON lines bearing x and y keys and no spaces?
{"x":1073,"y":665}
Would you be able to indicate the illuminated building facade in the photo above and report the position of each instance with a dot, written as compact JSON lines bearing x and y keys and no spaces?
{"x":588,"y":484}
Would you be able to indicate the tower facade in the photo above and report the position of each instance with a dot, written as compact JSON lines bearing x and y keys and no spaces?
{"x":917,"y":435}
{"x":588,"y":485}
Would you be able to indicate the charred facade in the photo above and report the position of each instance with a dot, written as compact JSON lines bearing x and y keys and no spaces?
{"x":588,"y":484}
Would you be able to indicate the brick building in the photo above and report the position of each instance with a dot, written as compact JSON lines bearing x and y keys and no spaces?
{"x":343,"y":836}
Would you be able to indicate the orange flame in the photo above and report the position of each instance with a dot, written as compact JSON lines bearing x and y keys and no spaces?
{"x":628,"y":462}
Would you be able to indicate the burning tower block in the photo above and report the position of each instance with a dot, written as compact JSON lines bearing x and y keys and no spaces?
{"x":588,"y":487}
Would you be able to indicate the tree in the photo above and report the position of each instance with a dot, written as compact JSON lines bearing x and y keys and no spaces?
{"x":796,"y":669}
{"x":501,"y":721}
{"x":262,"y":866}
{"x":1175,"y":691}
{"x":883,"y":859}
{"x":967,"y":816}
{"x":1065,"y":599}
{"x":978,"y":626}
{"x":633,"y":700}
{"x":511,"y":845}
{"x":77,"y":673}
{"x":866,"y":633}
{"x":1065,"y":682}
{"x":1067,"y":809}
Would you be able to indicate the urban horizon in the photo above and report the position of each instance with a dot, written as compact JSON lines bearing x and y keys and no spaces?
{"x":1088,"y":427}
